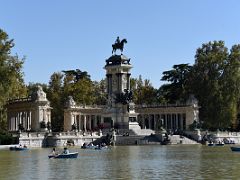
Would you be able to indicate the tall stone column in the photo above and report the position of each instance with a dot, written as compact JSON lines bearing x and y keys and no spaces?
{"x":149,"y":121}
{"x":89,"y":122}
{"x":27,"y":120}
{"x":155,"y":121}
{"x":119,"y":77}
{"x":109,"y":84}
{"x":181,"y":121}
{"x":85,"y":123}
{"x":166,"y":121}
{"x":79,"y":119}
{"x":16,"y":122}
{"x":128,"y":80}
{"x":72,"y":121}
{"x":24,"y":120}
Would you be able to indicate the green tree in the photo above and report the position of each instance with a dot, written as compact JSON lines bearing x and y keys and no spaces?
{"x":215,"y":79}
{"x":81,"y":88}
{"x":177,"y":90}
{"x":143,"y":91}
{"x":231,"y":89}
{"x":56,"y":97}
{"x":11,"y":81}
{"x":100,"y":95}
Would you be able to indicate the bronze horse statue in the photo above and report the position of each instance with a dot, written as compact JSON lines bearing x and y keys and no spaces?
{"x":119,"y":45}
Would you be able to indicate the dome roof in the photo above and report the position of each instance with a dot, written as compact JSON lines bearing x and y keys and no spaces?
{"x":118,"y":59}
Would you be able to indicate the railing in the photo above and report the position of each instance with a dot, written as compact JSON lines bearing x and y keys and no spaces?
{"x":26,"y":99}
{"x":162,"y":105}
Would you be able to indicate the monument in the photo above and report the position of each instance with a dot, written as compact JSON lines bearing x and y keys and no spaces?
{"x":120,"y":107}
{"x":30,"y":118}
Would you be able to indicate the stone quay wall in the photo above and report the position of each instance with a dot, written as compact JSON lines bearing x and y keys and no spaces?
{"x":215,"y":136}
{"x":56,"y":139}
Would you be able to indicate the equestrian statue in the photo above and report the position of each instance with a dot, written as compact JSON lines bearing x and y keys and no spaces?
{"x":118,"y":45}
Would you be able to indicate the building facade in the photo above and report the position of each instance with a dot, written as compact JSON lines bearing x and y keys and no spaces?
{"x":121,"y":113}
{"x":34,"y":113}
{"x":29,"y":114}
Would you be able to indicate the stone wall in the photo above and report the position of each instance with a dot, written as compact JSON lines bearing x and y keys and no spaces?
{"x":56,"y":139}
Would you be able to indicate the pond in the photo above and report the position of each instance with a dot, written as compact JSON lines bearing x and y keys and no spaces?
{"x":124,"y":162}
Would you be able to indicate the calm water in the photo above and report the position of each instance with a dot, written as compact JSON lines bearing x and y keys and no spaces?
{"x":125,"y":162}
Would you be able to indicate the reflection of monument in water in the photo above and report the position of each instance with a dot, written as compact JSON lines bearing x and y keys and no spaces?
{"x":82,"y":123}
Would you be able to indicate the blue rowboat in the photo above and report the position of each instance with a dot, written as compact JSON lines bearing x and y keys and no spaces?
{"x":64,"y":156}
{"x":15,"y":148}
{"x":235,"y":148}
{"x":219,"y":144}
{"x":210,"y":144}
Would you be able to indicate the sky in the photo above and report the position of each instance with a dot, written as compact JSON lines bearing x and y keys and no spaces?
{"x":61,"y":35}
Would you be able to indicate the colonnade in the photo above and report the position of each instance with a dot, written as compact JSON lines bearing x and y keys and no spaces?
{"x":85,"y":122}
{"x":173,"y":121}
{"x":26,"y":114}
{"x":23,"y":118}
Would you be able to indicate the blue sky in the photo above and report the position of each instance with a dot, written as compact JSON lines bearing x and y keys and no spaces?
{"x":61,"y":35}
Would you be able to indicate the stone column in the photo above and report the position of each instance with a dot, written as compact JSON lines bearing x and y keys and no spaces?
{"x":72,"y":119}
{"x":119,"y":82}
{"x":176,"y":121}
{"x":172,"y":116}
{"x":24,"y":119}
{"x":80,"y":123}
{"x":85,"y":123}
{"x":128,"y":80}
{"x":156,"y":117}
{"x":29,"y":120}
{"x":90,"y":122}
{"x":181,"y":121}
{"x":168,"y":121}
{"x":94,"y":121}
{"x":102,"y":120}
{"x":143,"y":121}
{"x":16,"y":121}
{"x":109,"y":83}
{"x":149,"y":121}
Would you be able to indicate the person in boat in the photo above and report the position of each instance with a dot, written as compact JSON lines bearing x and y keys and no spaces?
{"x":24,"y":146}
{"x":65,"y":151}
{"x":20,"y":145}
{"x":84,"y":145}
{"x":53,"y":151}
{"x":90,"y":144}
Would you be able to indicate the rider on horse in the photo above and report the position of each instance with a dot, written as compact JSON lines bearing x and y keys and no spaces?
{"x":117,"y":40}
{"x":118,"y":44}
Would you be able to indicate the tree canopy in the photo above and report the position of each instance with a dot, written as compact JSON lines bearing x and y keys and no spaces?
{"x":215,"y":82}
{"x":176,"y":90}
{"x":11,"y":81}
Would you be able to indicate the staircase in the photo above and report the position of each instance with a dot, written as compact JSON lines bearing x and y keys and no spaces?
{"x":177,"y":139}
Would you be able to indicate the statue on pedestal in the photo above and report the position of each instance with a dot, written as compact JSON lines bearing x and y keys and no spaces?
{"x":70,"y":102}
{"x":118,"y":45}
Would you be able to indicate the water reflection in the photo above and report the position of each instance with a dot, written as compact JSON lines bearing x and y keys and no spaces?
{"x":125,"y":162}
